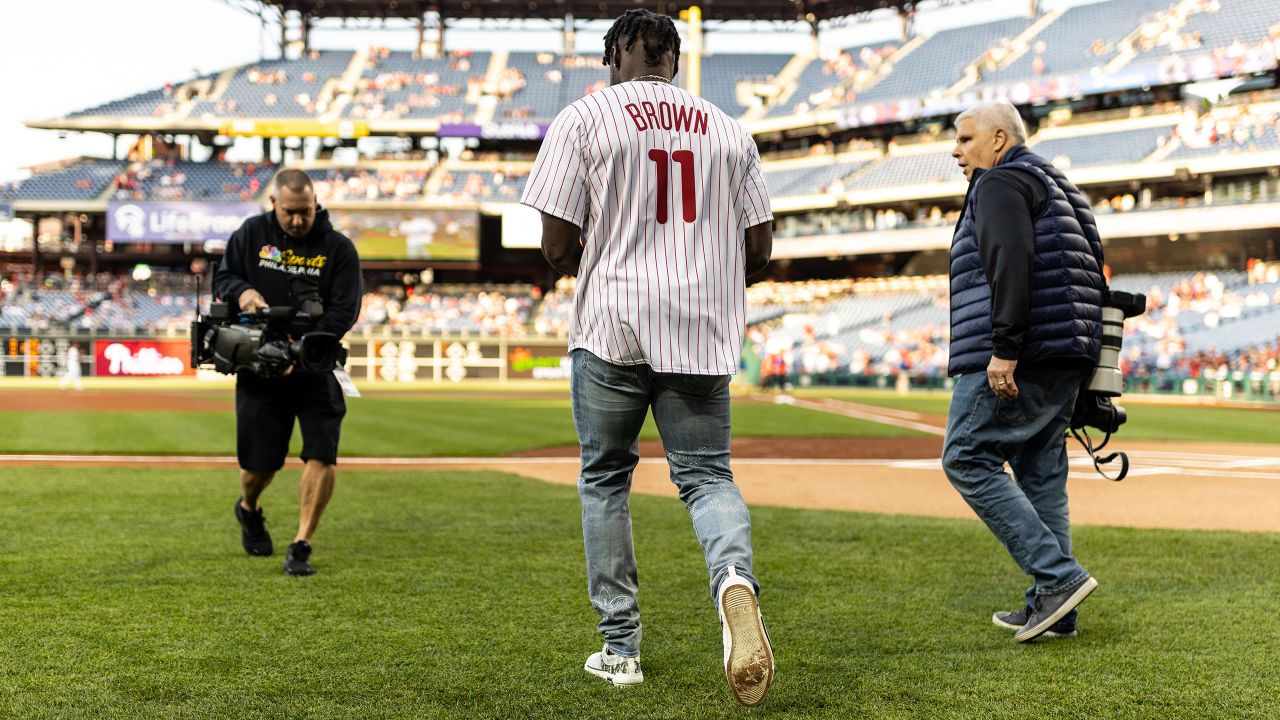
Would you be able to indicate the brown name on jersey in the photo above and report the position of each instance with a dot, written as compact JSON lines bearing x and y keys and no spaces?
{"x":667,"y":116}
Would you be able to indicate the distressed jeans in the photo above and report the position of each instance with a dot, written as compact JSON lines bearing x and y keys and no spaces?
{"x":1028,"y":511}
{"x":610,"y":403}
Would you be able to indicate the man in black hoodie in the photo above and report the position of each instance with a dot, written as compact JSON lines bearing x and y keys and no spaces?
{"x":265,"y":258}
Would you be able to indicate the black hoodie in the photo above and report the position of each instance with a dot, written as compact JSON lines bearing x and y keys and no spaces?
{"x":262,"y":257}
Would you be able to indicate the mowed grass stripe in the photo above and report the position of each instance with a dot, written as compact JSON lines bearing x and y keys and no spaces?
{"x":462,"y":595}
{"x":387,"y":426}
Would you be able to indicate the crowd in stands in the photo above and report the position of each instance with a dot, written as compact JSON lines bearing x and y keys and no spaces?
{"x":444,"y":310}
{"x":105,"y":303}
{"x":842,"y":75}
{"x":502,"y":184}
{"x":1239,"y":128}
{"x":844,"y":330}
{"x":545,"y":74}
{"x":1173,"y":340}
{"x":1189,"y":39}
{"x":1189,"y":311}
{"x":397,"y":93}
{"x":335,"y":184}
{"x":556,"y":310}
{"x":161,"y":179}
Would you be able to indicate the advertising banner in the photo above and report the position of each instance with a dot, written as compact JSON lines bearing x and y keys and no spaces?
{"x":495,"y":130}
{"x":539,"y":361}
{"x":175,"y":222}
{"x":142,"y":358}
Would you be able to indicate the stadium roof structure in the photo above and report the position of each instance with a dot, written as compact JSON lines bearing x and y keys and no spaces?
{"x":786,"y":10}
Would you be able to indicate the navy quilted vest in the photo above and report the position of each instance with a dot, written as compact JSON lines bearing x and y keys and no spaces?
{"x":1067,"y":285}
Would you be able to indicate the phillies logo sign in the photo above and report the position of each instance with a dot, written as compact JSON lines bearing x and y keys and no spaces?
{"x":142,"y":358}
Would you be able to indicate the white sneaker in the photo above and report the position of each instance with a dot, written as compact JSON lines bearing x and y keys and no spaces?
{"x":748,"y":657}
{"x":617,"y":669}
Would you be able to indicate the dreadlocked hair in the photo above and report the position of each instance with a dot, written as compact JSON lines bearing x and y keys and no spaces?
{"x":641,"y":24}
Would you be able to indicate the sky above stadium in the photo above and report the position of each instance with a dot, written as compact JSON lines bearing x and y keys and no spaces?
{"x":58,"y":57}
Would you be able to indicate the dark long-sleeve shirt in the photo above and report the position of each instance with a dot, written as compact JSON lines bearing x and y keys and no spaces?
{"x":262,"y":257}
{"x":1006,"y":204}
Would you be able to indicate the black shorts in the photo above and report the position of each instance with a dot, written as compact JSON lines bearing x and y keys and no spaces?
{"x":265,"y":409}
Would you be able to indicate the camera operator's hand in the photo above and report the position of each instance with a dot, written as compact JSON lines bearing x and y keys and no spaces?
{"x":1000,"y":378}
{"x":252,"y":300}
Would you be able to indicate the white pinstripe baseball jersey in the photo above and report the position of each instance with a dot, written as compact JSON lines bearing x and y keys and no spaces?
{"x":663,"y":185}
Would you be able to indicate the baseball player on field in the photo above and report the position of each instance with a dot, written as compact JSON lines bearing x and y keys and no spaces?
{"x":654,"y":199}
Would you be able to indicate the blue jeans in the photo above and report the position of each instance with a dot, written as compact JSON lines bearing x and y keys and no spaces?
{"x":1028,"y":514}
{"x":610,"y":403}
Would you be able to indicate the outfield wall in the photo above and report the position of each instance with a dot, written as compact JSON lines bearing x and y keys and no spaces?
{"x":388,"y":358}
{"x":404,"y":357}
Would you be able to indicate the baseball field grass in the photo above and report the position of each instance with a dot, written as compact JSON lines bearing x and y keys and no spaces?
{"x":1147,"y":421}
{"x":462,"y":595}
{"x":443,"y":422}
{"x":124,"y":592}
{"x":382,"y":425}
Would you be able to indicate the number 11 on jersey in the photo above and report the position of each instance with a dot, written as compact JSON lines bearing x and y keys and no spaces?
{"x":683,"y":158}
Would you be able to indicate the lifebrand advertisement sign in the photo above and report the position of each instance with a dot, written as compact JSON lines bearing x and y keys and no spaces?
{"x":175,"y":222}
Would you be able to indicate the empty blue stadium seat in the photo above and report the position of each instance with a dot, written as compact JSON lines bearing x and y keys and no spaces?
{"x":1125,"y":146}
{"x":82,"y":181}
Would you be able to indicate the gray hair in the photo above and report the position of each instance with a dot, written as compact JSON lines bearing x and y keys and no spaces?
{"x":991,"y":116}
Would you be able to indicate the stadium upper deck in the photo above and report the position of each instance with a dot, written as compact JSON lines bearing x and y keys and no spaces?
{"x":884,"y":189}
{"x":1111,"y":45}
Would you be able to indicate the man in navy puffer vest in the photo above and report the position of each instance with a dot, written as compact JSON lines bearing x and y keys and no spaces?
{"x":1026,"y":327}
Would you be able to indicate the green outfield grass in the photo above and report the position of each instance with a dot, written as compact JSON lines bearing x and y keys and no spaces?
{"x":385,"y":424}
{"x":429,"y":420}
{"x":1146,"y":421}
{"x":462,"y":595}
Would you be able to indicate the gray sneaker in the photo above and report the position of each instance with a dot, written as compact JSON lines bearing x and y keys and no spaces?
{"x":1049,"y":609}
{"x":1016,"y":619}
{"x":617,"y":669}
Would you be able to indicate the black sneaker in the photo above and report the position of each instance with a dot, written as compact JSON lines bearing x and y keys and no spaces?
{"x":1016,"y":619}
{"x":1049,"y":609}
{"x":253,"y":531}
{"x":298,"y":560}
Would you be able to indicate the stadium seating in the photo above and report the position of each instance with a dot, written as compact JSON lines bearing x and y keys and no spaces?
{"x":278,"y":88}
{"x":860,"y":323}
{"x":1230,"y":130}
{"x":812,"y":179}
{"x":547,"y":83}
{"x":1103,"y":148}
{"x":1084,"y":38}
{"x":395,"y":85}
{"x":919,"y":167}
{"x":153,"y":103}
{"x":363,"y":184}
{"x":940,"y":61}
{"x":1234,"y":35}
{"x":184,"y":180}
{"x":43,"y":310}
{"x":446,"y":310}
{"x":138,"y":312}
{"x":819,"y":83}
{"x":1214,"y":25}
{"x":458,"y":182}
{"x":556,"y":310}
{"x":81,"y":181}
{"x":722,"y":72}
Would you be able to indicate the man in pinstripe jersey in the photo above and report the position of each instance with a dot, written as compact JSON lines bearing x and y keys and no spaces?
{"x":654,"y":199}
